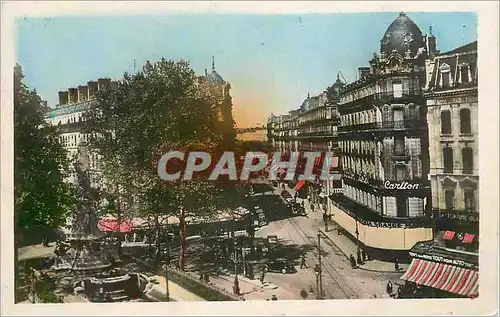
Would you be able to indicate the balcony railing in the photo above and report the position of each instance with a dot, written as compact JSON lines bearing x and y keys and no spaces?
{"x":318,"y":121}
{"x":318,"y":134}
{"x":386,"y":125}
{"x":386,"y":96}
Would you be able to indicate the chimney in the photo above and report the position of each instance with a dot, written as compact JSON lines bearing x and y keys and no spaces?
{"x":431,"y":43}
{"x":73,"y":95}
{"x":93,"y":87}
{"x":364,"y":72}
{"x":83,"y":93}
{"x":103,"y":82}
{"x":63,"y":98}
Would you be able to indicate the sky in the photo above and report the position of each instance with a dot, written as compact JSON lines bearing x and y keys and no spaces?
{"x":271,"y":61}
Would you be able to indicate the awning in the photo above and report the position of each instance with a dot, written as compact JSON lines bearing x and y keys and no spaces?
{"x":300,"y":184}
{"x":442,"y":276}
{"x":111,"y":224}
{"x":448,"y":235}
{"x":468,"y":238}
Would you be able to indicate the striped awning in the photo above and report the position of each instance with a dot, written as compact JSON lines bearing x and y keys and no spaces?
{"x":442,"y":276}
{"x":468,"y":238}
{"x":300,"y":184}
{"x":448,"y":235}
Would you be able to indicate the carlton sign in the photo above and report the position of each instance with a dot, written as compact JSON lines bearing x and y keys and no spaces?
{"x":402,"y":185}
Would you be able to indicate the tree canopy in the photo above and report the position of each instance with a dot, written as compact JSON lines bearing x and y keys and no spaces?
{"x":41,"y":199}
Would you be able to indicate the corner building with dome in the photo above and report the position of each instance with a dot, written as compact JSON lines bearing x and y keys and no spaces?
{"x":384,"y":144}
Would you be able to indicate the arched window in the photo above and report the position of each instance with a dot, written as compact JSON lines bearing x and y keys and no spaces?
{"x":464,"y":73}
{"x":445,"y":122}
{"x":465,"y":124}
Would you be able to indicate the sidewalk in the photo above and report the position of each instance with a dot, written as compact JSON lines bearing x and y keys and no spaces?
{"x":343,"y":243}
{"x":251,"y":289}
{"x":176,"y":292}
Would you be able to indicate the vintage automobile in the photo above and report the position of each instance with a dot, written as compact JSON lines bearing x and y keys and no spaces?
{"x":280,"y":265}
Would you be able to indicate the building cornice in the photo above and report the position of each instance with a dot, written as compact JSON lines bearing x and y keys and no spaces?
{"x":451,"y":92}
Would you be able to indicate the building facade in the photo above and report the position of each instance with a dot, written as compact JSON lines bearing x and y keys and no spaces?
{"x":451,"y":260}
{"x":68,"y":117}
{"x":383,"y":142}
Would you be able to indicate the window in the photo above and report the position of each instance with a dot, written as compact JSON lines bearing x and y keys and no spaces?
{"x":449,"y":196}
{"x":400,"y":173}
{"x":397,"y":89}
{"x":465,"y":126}
{"x":469,"y":199}
{"x":448,"y":160}
{"x":399,"y":146}
{"x":464,"y":74}
{"x":402,"y":206}
{"x":398,"y":118}
{"x":445,"y":122}
{"x":467,"y":160}
{"x":445,"y":79}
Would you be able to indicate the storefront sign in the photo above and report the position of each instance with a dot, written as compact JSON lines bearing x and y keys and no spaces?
{"x":441,"y":259}
{"x":460,"y":216}
{"x":402,"y":185}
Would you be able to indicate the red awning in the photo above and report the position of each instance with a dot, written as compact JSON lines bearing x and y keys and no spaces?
{"x":446,"y":277}
{"x":300,"y":184}
{"x":448,"y":235}
{"x":111,"y":225}
{"x":468,"y":238}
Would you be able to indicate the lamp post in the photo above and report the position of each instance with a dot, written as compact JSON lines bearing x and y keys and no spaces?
{"x":167,"y":264}
{"x":320,"y":278}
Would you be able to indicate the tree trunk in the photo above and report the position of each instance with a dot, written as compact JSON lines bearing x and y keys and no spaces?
{"x":158,"y":240}
{"x":182,"y":237}
{"x":119,"y":219}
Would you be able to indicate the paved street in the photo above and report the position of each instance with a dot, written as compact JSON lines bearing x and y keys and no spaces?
{"x":340,"y":281}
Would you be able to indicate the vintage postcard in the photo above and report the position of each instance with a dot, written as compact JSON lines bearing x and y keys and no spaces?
{"x":220,"y":158}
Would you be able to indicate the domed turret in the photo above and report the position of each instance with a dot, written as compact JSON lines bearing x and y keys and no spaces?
{"x":214,"y":77}
{"x":402,"y":35}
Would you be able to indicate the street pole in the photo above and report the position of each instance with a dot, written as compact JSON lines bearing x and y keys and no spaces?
{"x":167,"y":264}
{"x":320,"y":278}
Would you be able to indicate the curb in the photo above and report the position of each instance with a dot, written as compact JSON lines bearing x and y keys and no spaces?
{"x":347,"y":257}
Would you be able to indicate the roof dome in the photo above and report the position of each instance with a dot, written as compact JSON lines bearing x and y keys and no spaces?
{"x":215,"y":78}
{"x":402,"y":35}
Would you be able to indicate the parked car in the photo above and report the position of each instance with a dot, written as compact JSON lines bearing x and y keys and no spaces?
{"x":280,"y":266}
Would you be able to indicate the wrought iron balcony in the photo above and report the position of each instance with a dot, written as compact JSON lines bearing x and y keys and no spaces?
{"x":385,"y":97}
{"x":384,"y":126}
{"x":318,"y":134}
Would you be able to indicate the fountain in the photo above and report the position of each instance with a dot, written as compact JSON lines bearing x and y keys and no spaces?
{"x":88,"y":259}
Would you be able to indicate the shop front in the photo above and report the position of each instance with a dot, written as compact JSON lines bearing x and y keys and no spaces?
{"x":442,"y":271}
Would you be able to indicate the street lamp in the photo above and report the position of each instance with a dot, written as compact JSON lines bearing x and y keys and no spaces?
{"x":320,"y":278}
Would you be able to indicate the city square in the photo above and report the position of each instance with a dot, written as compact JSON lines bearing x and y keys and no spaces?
{"x":158,"y":182}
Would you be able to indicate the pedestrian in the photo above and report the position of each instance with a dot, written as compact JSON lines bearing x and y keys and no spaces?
{"x":389,"y":288}
{"x":274,"y":297}
{"x":353,"y":261}
{"x":365,"y":255}
{"x":325,"y":220}
{"x":262,"y":274}
{"x":400,"y":292}
{"x":396,"y":265}
{"x":358,"y":255}
{"x":303,"y":263}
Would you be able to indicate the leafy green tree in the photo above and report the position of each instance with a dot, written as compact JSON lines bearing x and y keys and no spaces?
{"x":42,"y":201}
{"x":135,"y":120}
